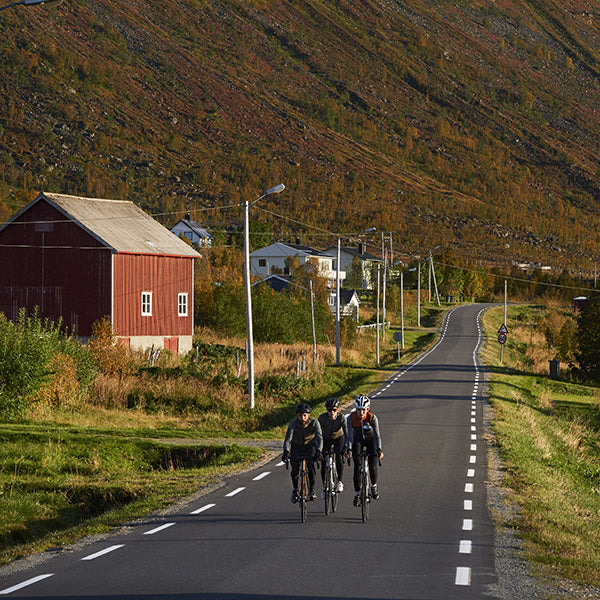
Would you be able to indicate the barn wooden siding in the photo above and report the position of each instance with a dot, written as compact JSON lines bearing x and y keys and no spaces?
{"x":166,"y":277}
{"x":50,"y":262}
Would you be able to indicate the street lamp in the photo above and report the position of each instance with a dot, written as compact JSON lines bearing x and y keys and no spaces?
{"x":250,"y":342}
{"x":33,"y":3}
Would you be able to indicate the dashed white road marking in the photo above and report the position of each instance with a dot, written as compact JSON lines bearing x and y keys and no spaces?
{"x":468,"y":505}
{"x":157,"y":529}
{"x":234,"y":492}
{"x":472,"y":459}
{"x":103,"y":552}
{"x":261,"y":476}
{"x":468,"y":488}
{"x":24,"y":584}
{"x":463,"y":576}
{"x":471,"y":473}
{"x":465,"y":547}
{"x":202,"y":509}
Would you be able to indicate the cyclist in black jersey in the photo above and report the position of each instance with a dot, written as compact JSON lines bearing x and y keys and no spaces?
{"x":363,"y":432}
{"x":303,"y":439}
{"x":333,"y":426}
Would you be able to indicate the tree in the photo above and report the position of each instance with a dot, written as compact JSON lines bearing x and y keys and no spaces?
{"x":588,"y":332}
{"x":354,"y":275}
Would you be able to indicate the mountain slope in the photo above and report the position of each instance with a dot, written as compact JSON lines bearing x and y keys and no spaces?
{"x":467,"y":123}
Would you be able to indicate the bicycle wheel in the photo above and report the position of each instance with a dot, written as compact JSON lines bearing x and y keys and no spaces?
{"x":303,"y":491}
{"x":334,"y":482}
{"x":328,"y":489}
{"x":365,"y":485}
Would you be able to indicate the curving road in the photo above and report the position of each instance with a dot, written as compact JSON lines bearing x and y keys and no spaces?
{"x":429,"y":536}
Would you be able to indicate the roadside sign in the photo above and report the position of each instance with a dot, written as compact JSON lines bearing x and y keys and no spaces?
{"x":502,"y":338}
{"x":397,"y":336}
{"x":503,"y":329}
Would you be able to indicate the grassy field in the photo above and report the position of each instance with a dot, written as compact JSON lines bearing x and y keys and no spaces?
{"x":143,"y":442}
{"x":548,"y":435}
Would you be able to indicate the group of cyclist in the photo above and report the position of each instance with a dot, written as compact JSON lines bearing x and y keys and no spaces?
{"x":346,"y":436}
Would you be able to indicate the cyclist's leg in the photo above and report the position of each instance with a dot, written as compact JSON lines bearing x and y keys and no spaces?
{"x":339,"y":456}
{"x":373,"y":461}
{"x":356,"y":449}
{"x":295,"y":462}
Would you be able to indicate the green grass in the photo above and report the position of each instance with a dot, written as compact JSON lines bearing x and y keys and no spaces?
{"x":59,"y":485}
{"x":548,"y":435}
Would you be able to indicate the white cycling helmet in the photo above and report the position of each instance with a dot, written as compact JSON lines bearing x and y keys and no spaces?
{"x":363,"y":401}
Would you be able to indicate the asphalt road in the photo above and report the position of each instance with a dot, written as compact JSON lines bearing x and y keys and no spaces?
{"x":429,"y":536}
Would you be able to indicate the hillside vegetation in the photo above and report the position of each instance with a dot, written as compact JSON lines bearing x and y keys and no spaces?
{"x":468,"y":123}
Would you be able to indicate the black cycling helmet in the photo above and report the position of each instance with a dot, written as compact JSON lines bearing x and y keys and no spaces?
{"x":332,"y":403}
{"x":303,"y":408}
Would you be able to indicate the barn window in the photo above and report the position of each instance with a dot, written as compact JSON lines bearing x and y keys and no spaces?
{"x":182,"y":305}
{"x":146,"y":304}
{"x":262,"y":262}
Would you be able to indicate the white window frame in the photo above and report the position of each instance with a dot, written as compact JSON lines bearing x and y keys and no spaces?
{"x":182,"y":304}
{"x":146,"y":304}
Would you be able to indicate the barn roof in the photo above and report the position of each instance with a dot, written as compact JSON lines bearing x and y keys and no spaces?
{"x":118,"y":224}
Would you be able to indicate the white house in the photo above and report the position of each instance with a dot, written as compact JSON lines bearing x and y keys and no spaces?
{"x":365,"y":260}
{"x":349,"y":303}
{"x":272,"y":259}
{"x":193,"y":231}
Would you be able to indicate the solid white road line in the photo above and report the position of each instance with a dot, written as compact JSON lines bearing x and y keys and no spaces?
{"x":20,"y":586}
{"x":102,"y":552}
{"x":202,"y":509}
{"x":236,"y":491}
{"x":157,"y":529}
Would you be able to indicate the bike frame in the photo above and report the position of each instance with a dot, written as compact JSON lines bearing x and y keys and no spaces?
{"x":331,"y":479}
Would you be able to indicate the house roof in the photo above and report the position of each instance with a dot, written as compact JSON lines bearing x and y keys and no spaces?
{"x":276,"y":282}
{"x":353,"y":251}
{"x":347,"y":295}
{"x":118,"y":224}
{"x":194,"y":226}
{"x":281,"y":249}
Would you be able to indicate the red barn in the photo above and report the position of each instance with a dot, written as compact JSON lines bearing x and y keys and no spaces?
{"x":81,"y":259}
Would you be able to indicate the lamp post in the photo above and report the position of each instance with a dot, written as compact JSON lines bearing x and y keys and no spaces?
{"x":250,"y":342}
{"x":402,"y":305}
{"x":337,"y":294}
{"x":32,"y":3}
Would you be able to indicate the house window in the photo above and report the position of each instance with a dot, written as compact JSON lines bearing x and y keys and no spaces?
{"x":182,"y":305}
{"x":262,"y":262}
{"x":146,"y":304}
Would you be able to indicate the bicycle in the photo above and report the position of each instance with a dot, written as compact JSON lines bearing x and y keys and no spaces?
{"x":331,"y":481}
{"x":303,"y":489}
{"x":365,"y":484}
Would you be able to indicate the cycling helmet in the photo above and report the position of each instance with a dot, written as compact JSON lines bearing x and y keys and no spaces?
{"x":363,"y":401}
{"x":303,"y":408}
{"x":332,"y":403}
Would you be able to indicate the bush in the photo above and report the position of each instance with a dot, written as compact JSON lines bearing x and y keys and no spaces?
{"x":30,"y":358}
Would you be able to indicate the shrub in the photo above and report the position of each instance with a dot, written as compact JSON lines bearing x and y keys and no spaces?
{"x":30,"y":356}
